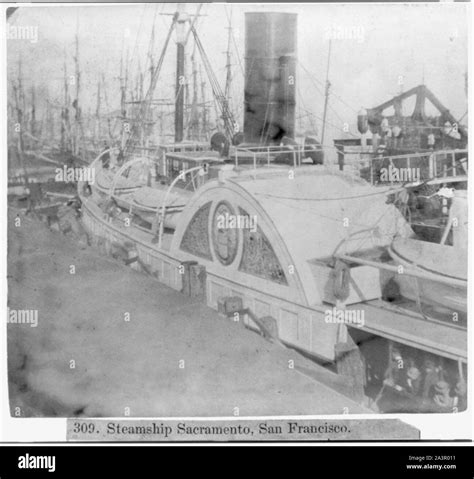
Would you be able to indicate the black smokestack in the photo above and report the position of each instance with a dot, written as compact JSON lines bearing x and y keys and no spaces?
{"x":270,"y":60}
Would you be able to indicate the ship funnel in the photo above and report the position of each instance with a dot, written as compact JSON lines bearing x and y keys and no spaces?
{"x":270,"y":64}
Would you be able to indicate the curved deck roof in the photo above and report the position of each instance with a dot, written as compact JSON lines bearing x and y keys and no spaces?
{"x":307,"y":216}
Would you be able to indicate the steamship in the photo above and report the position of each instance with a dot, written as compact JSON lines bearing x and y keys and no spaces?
{"x":323,"y":237}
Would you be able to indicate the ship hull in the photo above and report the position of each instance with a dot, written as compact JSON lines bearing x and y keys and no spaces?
{"x":300,"y":326}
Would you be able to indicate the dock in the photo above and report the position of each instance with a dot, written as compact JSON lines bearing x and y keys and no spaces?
{"x":111,"y":341}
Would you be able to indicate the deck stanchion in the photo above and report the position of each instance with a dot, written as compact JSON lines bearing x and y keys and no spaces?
{"x":161,"y":220}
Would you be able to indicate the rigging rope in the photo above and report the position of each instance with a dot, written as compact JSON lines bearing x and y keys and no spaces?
{"x":227,"y":116}
{"x":145,"y":105}
{"x":329,"y":106}
{"x":314,"y":79}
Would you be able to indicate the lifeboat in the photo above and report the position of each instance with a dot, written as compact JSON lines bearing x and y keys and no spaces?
{"x":146,"y":203}
{"x":105,"y":179}
{"x":444,"y":270}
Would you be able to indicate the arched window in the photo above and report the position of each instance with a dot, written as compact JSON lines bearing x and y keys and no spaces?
{"x":196,"y":237}
{"x":258,"y":257}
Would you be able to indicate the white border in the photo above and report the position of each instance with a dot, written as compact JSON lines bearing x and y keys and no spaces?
{"x":432,"y":426}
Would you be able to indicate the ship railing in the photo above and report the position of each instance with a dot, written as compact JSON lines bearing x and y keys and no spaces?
{"x":416,"y":167}
{"x":405,"y":270}
{"x":297,"y":153}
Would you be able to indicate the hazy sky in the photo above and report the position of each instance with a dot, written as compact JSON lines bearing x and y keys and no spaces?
{"x":393,"y":41}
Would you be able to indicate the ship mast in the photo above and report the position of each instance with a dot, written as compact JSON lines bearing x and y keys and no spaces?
{"x":150,"y":51}
{"x":20,"y":108}
{"x":194,"y":116}
{"x":97,"y":115}
{"x":326,"y":96}
{"x":180,"y":19}
{"x":180,"y":78}
{"x":228,"y":66}
{"x":76,"y":104}
{"x":33,"y":111}
{"x":123,"y":90}
{"x":204,"y":125}
{"x":65,"y":129}
{"x":219,"y":95}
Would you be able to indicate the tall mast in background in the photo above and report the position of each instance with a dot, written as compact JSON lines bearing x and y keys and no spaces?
{"x":65,"y":111}
{"x":182,"y":19}
{"x":228,"y":66}
{"x":204,"y":122}
{"x":326,"y":95}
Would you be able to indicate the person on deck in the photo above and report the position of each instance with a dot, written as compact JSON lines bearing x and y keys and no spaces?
{"x":460,"y":396}
{"x":395,"y":370}
{"x":431,"y":377}
{"x":431,"y":140}
{"x":442,"y":397}
{"x":396,"y":135}
{"x":413,"y":381}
